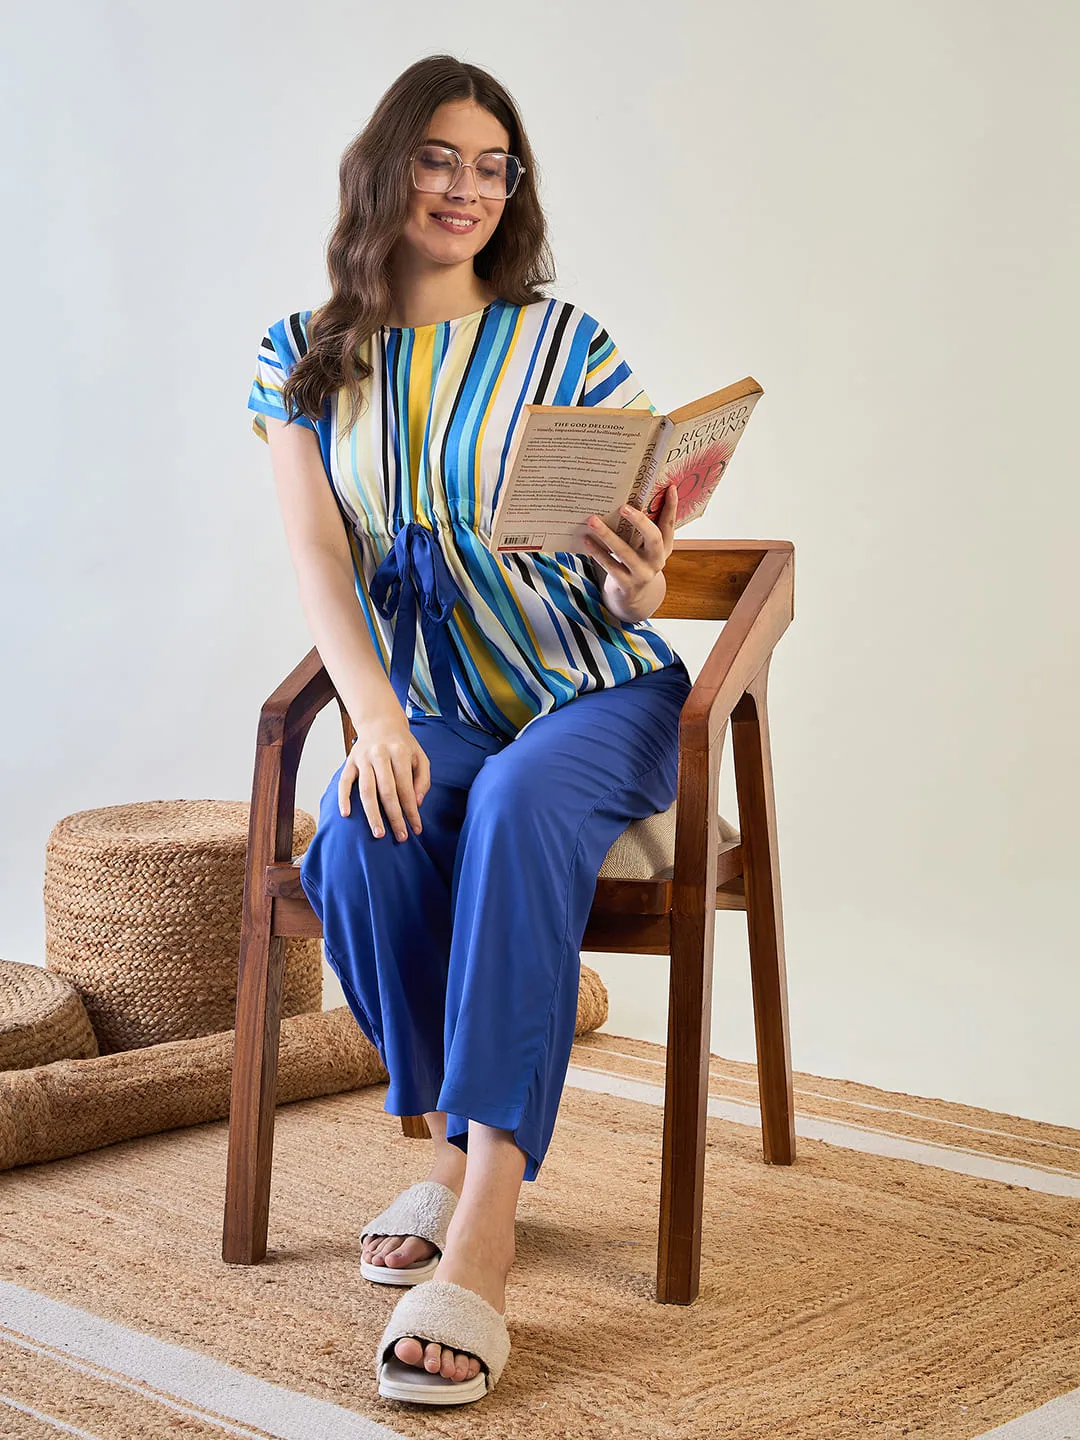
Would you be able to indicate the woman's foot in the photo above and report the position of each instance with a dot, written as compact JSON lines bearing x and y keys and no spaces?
{"x":480,"y":1261}
{"x":400,"y":1251}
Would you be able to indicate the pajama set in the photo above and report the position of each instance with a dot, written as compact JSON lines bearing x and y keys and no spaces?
{"x":549,"y":724}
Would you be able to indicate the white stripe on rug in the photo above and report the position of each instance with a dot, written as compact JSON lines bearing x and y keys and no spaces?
{"x":751,"y":1084}
{"x":1056,"y":1420}
{"x":850,"y":1137}
{"x":61,"y":1425}
{"x":167,"y":1374}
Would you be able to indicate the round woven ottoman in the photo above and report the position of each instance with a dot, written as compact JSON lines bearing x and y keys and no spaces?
{"x":42,"y":1018}
{"x":142,"y":915}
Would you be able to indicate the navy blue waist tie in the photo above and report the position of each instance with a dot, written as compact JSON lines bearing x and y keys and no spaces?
{"x":415,"y":566}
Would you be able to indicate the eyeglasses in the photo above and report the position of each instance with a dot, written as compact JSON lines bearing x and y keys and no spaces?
{"x":437,"y":168}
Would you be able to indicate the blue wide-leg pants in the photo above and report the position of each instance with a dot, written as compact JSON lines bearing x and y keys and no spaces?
{"x":458,"y":949}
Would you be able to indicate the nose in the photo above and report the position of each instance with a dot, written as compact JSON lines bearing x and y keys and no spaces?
{"x":459,"y":187}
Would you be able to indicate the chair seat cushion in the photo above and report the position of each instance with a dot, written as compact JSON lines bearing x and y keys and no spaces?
{"x":646,"y":848}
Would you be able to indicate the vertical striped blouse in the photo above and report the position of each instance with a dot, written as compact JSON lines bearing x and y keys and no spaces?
{"x":417,"y":481}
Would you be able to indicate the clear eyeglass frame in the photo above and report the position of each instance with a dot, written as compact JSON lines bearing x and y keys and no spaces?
{"x":460,"y":169}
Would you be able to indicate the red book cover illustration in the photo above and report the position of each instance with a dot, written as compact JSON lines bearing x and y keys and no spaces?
{"x":692,"y":449}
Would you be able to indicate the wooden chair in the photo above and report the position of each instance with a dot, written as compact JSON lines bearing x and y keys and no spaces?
{"x":748,"y":584}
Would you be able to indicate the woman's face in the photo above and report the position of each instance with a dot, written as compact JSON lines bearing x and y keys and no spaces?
{"x":465,"y":127}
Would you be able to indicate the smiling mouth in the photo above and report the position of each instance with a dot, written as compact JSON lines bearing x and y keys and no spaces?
{"x":459,"y":222}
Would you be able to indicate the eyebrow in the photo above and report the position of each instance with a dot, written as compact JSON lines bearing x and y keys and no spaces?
{"x":490,"y":149}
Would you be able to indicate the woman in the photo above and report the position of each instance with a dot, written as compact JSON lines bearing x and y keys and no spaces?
{"x":534,"y":717}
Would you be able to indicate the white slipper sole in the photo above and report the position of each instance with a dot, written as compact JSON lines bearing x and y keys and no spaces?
{"x":424,"y":1209}
{"x":414,"y":1274}
{"x":398,"y":1381}
{"x":453,"y":1316}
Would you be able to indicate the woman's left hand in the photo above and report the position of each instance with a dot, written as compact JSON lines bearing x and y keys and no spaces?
{"x":632,"y":571}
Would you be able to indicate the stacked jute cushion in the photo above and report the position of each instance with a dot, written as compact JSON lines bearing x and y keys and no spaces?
{"x":128,"y":1029}
{"x":42,"y":1018}
{"x":69,"y":1106}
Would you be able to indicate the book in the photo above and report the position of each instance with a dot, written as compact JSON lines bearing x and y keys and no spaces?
{"x":573,"y":461}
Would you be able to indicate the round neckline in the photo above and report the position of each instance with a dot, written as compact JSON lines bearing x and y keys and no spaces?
{"x":434,"y":324}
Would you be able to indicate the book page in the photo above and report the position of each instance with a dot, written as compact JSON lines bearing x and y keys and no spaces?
{"x":568,"y":466}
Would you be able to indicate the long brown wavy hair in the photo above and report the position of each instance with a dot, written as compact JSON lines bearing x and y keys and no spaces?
{"x":374,"y":180}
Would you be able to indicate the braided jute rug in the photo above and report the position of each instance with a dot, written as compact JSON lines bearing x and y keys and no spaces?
{"x":853,"y":1294}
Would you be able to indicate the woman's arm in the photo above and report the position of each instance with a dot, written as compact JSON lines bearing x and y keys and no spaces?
{"x":324,"y":572}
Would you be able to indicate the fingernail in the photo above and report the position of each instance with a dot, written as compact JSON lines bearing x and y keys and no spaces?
{"x":378,"y":833}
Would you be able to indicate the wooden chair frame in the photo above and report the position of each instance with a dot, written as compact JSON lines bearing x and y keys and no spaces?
{"x":750,"y":585}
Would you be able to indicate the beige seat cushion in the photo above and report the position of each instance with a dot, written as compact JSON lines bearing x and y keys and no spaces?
{"x":646,"y":848}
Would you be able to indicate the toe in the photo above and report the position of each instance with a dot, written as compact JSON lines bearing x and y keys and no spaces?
{"x":409,"y":1249}
{"x":437,"y":1359}
{"x":409,"y":1350}
{"x":463,"y":1364}
{"x":396,"y":1250}
{"x":379,"y":1247}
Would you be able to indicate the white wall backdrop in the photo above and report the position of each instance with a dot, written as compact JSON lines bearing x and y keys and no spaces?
{"x":872,"y":208}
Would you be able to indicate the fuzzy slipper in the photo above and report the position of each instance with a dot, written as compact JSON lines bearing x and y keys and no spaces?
{"x":452,"y":1315}
{"x":423,"y":1209}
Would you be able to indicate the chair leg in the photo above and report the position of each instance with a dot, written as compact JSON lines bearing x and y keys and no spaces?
{"x":761,"y":873}
{"x":686,"y":1094}
{"x":254,"y":1079}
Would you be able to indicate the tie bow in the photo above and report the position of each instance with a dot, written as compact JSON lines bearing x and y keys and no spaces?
{"x":415,"y":568}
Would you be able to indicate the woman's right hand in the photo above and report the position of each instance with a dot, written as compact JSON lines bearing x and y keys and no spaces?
{"x":388,"y":764}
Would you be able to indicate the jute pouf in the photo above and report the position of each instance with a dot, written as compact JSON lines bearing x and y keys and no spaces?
{"x":42,"y":1018}
{"x":142,"y":915}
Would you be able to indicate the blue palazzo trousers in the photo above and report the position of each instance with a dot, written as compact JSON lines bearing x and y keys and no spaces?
{"x":458,"y":949}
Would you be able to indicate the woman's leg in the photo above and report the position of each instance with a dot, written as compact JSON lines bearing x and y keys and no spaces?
{"x":384,"y":906}
{"x":542,"y":813}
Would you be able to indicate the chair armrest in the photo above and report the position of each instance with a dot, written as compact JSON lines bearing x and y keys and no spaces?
{"x":289,"y":712}
{"x":285,"y":718}
{"x":738,"y":660}
{"x":759,"y":617}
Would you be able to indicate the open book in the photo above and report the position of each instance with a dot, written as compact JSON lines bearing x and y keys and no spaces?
{"x":573,"y":461}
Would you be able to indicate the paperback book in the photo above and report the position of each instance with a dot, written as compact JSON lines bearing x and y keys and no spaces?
{"x":573,"y":461}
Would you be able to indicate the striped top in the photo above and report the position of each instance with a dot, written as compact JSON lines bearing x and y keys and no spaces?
{"x":527,"y":632}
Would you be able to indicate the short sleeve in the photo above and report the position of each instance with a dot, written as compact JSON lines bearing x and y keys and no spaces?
{"x":609,"y":379}
{"x":284,"y":343}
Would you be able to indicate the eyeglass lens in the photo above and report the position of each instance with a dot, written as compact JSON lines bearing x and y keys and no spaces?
{"x":435,"y":169}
